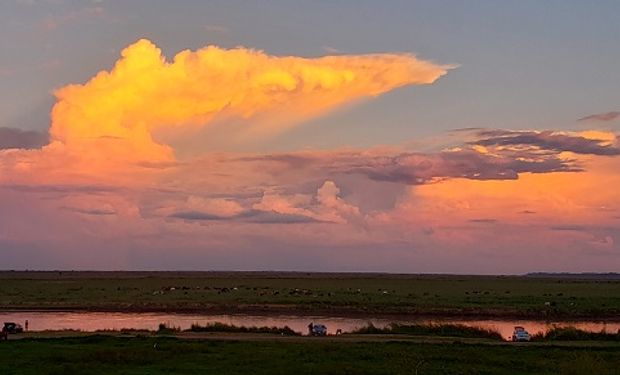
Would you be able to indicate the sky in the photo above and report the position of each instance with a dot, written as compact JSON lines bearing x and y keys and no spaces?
{"x":400,"y":136}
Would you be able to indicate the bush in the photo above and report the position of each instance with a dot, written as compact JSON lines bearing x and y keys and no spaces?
{"x":163,"y":329}
{"x":370,"y":329}
{"x":221,"y":327}
{"x":444,"y":330}
{"x":574,"y":334}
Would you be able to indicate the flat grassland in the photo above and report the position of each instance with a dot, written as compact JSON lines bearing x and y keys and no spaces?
{"x":102,"y":354}
{"x":313,"y":293}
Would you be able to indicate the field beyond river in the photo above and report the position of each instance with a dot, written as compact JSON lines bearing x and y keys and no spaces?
{"x":347,"y":294}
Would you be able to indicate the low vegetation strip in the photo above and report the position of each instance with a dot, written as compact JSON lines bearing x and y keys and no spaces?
{"x":221,"y":327}
{"x":218,"y":327}
{"x":444,"y":330}
{"x":575,"y":334}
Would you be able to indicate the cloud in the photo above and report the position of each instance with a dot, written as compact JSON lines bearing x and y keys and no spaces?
{"x":325,"y":206}
{"x":115,"y":126}
{"x":604,"y":117}
{"x":571,"y":228}
{"x":17,"y":138}
{"x":271,"y":217}
{"x":251,"y":216}
{"x":483,"y":221}
{"x":62,"y":189}
{"x":199,"y":208}
{"x":196,"y":215}
{"x":419,"y":169}
{"x":216,"y":207}
{"x":94,"y":211}
{"x":118,"y":112}
{"x":551,"y":141}
{"x":332,"y":207}
{"x":332,"y":50}
{"x":416,"y":168}
{"x":293,"y":204}
{"x":110,"y":177}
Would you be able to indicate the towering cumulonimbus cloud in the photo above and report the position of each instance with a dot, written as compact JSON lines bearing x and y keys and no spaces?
{"x":117,"y":111}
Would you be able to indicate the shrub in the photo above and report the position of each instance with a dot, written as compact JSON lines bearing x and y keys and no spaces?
{"x":221,"y":327}
{"x":574,"y":334}
{"x":444,"y":330}
{"x":163,"y":329}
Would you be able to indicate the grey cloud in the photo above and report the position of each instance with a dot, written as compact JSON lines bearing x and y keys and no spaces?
{"x":61,"y":189}
{"x":250,"y":216}
{"x":17,"y":138}
{"x":418,"y":169}
{"x":547,"y":140}
{"x":573,"y":228}
{"x":604,"y":117}
{"x":97,"y":212}
{"x":272,"y":217}
{"x":510,"y":154}
{"x":197,"y":215}
{"x":483,"y":221}
{"x":291,"y":160}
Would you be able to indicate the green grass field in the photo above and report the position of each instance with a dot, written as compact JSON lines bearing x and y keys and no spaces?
{"x":326,"y":293}
{"x":153,"y":355}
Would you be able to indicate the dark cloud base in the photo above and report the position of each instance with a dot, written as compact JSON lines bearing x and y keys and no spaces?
{"x":25,"y":139}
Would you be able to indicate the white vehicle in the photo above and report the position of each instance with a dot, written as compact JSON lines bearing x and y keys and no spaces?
{"x":520,"y":334}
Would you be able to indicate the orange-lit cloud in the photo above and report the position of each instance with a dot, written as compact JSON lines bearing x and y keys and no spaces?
{"x":117,"y":112}
{"x":106,"y":129}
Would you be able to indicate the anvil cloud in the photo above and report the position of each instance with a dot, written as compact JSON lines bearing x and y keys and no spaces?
{"x":117,"y":111}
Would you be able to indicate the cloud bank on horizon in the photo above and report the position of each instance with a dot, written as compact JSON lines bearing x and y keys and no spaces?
{"x":108,"y":191}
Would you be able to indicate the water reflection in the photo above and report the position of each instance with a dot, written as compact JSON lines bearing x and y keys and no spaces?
{"x":92,"y":321}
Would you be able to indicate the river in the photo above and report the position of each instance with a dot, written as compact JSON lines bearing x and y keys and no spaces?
{"x":93,"y":321}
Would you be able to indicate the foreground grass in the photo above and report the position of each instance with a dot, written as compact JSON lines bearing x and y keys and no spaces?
{"x":141,"y":355}
{"x":479,"y":296}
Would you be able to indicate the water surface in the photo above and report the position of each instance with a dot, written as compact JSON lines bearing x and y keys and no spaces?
{"x":93,"y":321}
